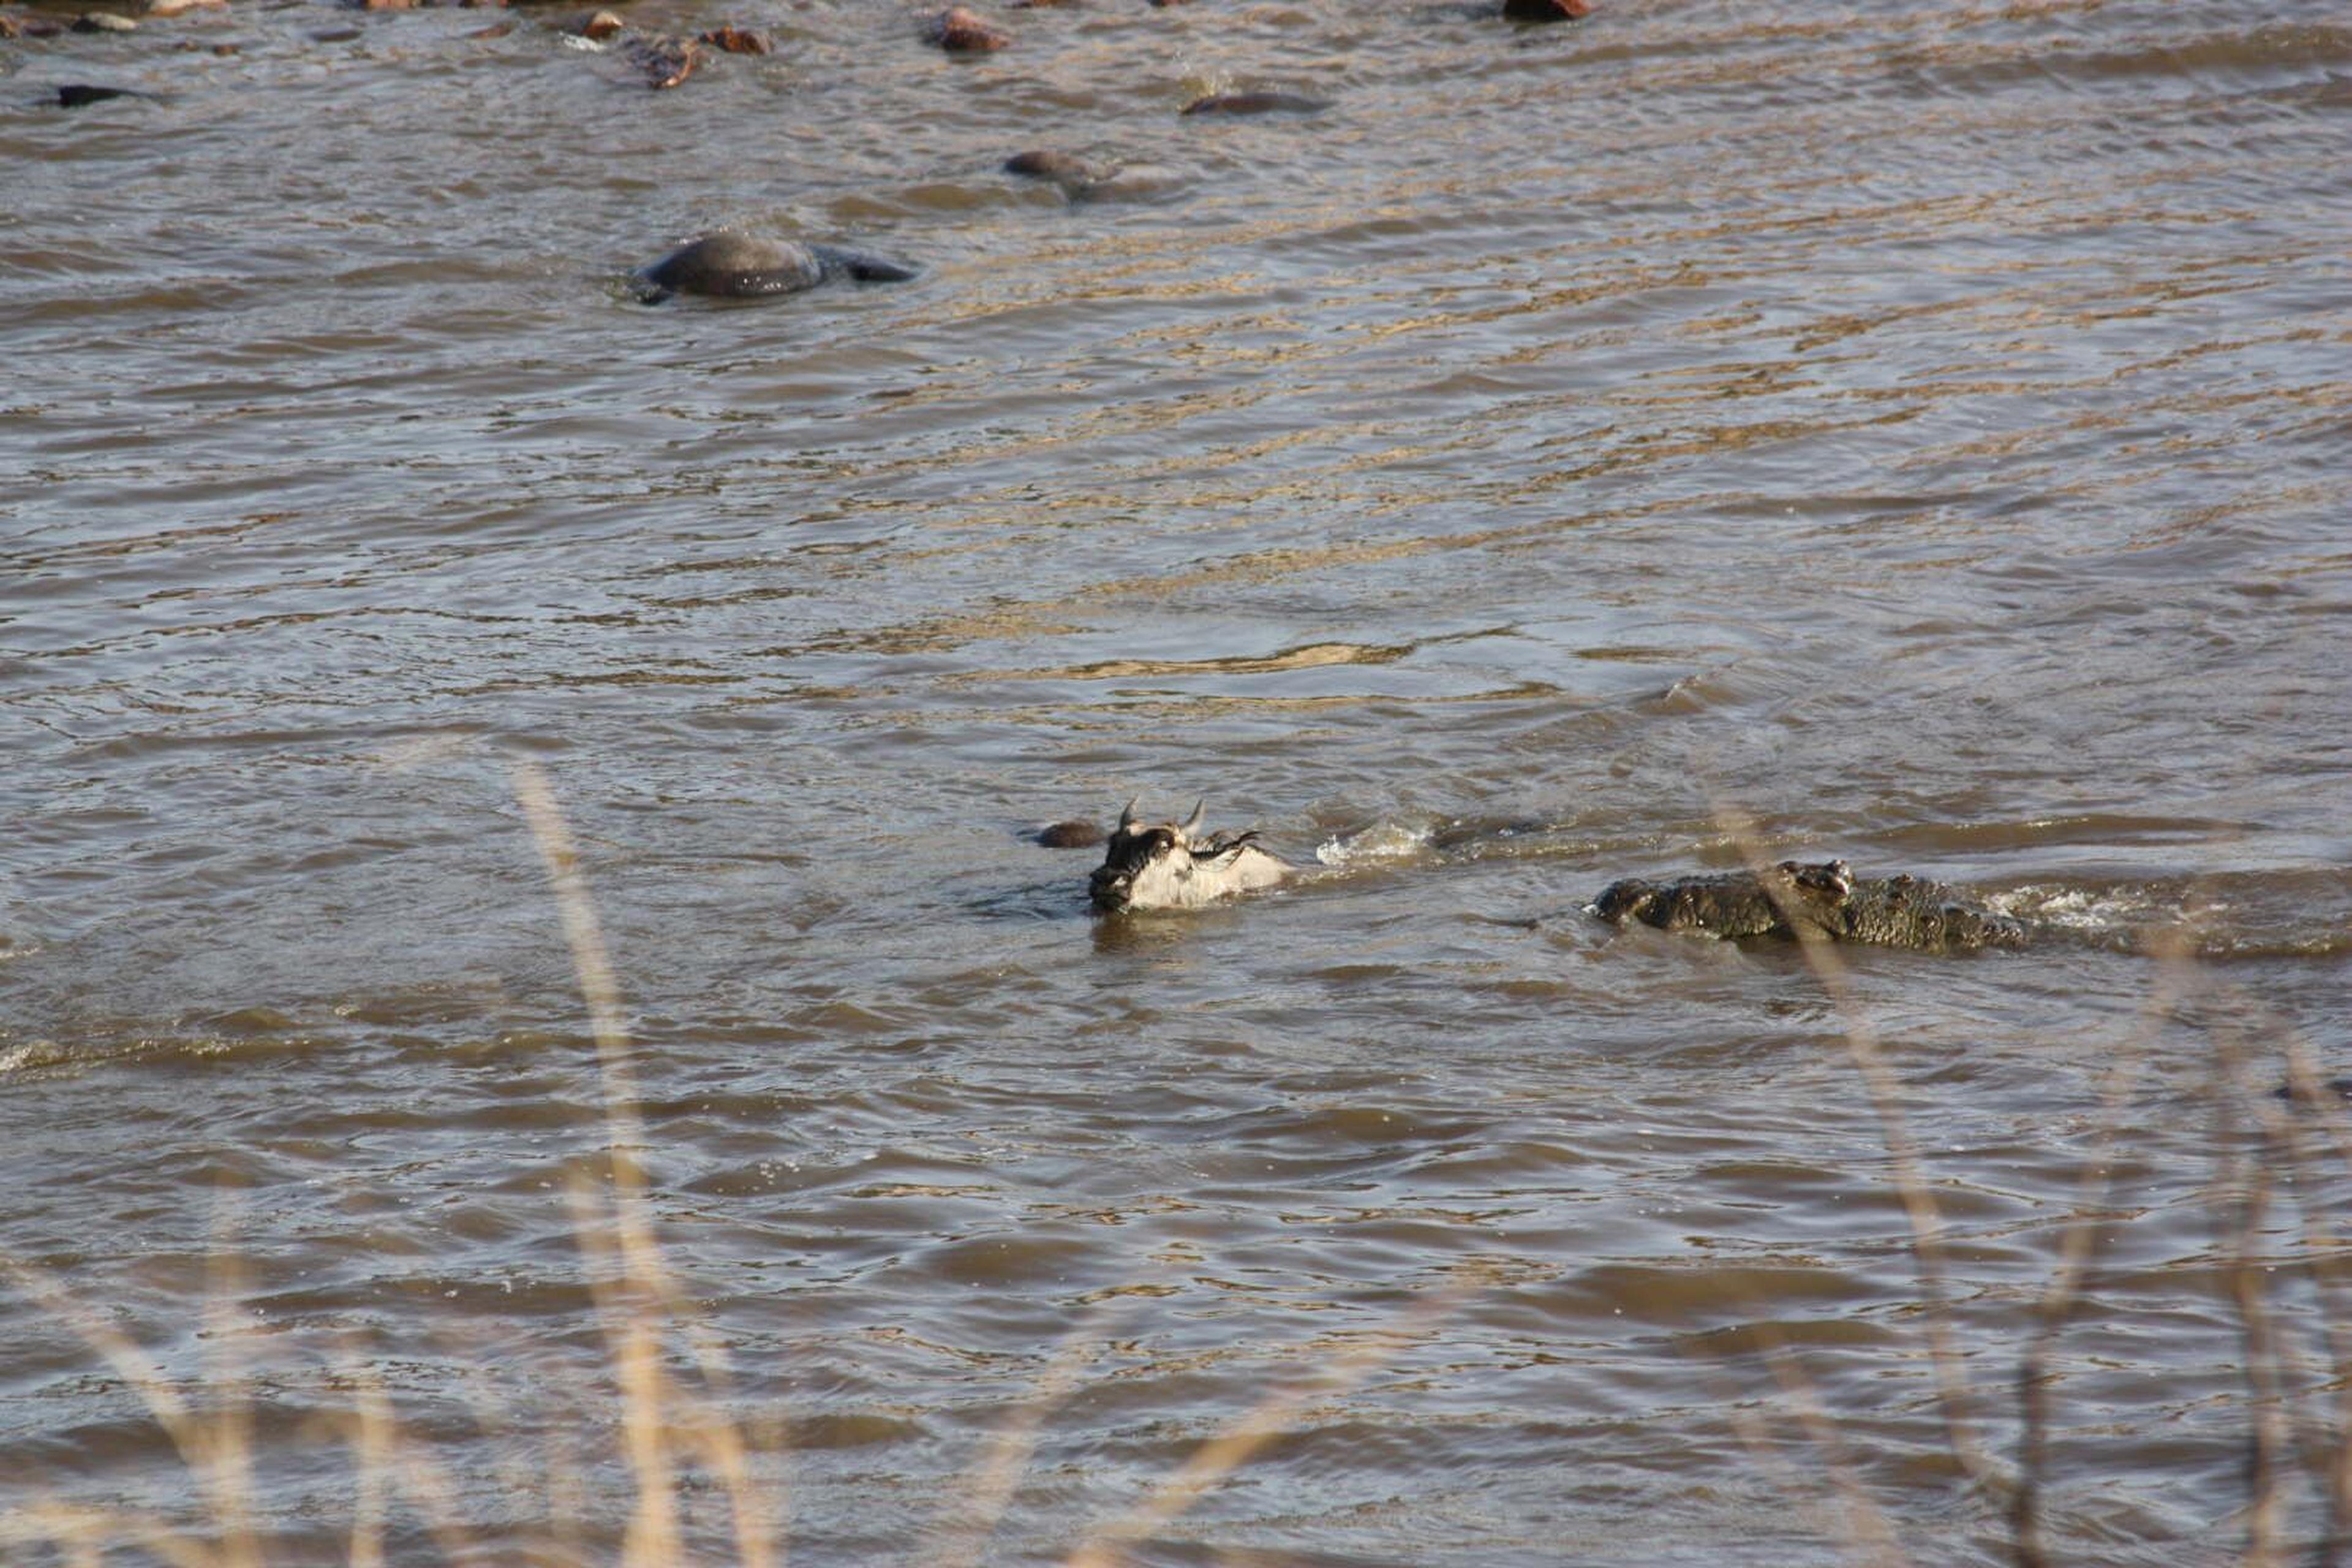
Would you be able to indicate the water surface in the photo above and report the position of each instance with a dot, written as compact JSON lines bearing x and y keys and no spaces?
{"x":1915,"y":434}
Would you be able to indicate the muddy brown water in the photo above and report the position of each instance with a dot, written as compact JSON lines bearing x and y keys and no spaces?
{"x":1923,"y":431}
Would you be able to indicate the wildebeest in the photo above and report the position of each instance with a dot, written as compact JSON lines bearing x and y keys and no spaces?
{"x":1167,"y":865}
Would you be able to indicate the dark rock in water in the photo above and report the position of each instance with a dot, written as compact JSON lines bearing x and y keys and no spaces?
{"x":734,"y":40}
{"x":1256,"y":103}
{"x":75,"y":94}
{"x":730,"y":265}
{"x":663,"y":62}
{"x":596,"y":26}
{"x":1068,"y":168}
{"x":1080,"y":178}
{"x":961,"y":30}
{"x":2318,"y":1093}
{"x":1823,"y":899}
{"x":1546,"y":10}
{"x":1087,"y":180}
{"x":1069,"y":836}
{"x":335,"y":35}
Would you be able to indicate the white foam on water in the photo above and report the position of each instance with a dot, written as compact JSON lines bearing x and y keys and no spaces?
{"x":1380,"y":841}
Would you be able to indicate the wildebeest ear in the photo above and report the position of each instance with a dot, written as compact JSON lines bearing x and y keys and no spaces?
{"x":1191,"y":823}
{"x":1127,"y":818}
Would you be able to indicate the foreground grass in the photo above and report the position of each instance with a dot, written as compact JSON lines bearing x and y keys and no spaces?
{"x":698,"y":1488}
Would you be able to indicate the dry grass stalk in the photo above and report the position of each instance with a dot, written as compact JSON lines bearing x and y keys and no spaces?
{"x":1226,"y":1453}
{"x":650,"y":1299}
{"x":232,"y":1441}
{"x":1954,"y":1397}
{"x":2238,"y":1241}
{"x":214,"y":1457}
{"x":1867,"y":1528}
{"x":1868,"y":1535}
{"x":119,"y":1351}
{"x":372,"y":1444}
{"x":2078,"y":1250}
{"x":2323,"y":1446}
{"x":2312,"y":1098}
{"x":988,"y":1492}
{"x":383,"y":1449}
{"x":89,"y":1533}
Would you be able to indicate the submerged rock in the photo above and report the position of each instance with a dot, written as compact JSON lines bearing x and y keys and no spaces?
{"x":1090,"y":179}
{"x":75,"y":94}
{"x":1063,"y":168}
{"x":1546,"y":10}
{"x":1256,"y":103}
{"x":730,"y":265}
{"x":962,"y":30}
{"x":1822,"y":899}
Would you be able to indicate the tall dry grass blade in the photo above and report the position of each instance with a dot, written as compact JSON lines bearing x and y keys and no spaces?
{"x":982,"y":1502}
{"x":1871,"y":1534}
{"x":228,"y":1477}
{"x":2239,"y":1196}
{"x":2312,"y":1096}
{"x":1953,"y":1394}
{"x":83,"y":1544}
{"x":422,"y":1479}
{"x":590,"y":962}
{"x":2078,"y":1249}
{"x":652,"y":1297}
{"x":567,"y":1497}
{"x":653,"y":1534}
{"x":196,"y":1444}
{"x":1227,"y":1452}
{"x":632,"y":1340}
{"x":118,"y":1351}
{"x":373,"y":1453}
{"x":1845,"y":1491}
{"x":725,"y":1450}
{"x":2266,"y":1511}
{"x":90,"y":1533}
{"x":2322,"y":1445}
{"x":653,"y":1537}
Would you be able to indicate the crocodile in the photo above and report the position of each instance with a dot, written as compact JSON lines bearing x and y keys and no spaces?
{"x":1823,"y":899}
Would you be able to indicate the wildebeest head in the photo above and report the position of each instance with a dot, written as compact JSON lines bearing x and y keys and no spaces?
{"x":1167,"y":866}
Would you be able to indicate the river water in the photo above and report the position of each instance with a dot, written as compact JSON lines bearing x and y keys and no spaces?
{"x":1920,"y":434}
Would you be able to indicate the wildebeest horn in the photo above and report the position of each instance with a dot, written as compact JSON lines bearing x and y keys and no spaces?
{"x":1191,"y":823}
{"x":1127,"y":818}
